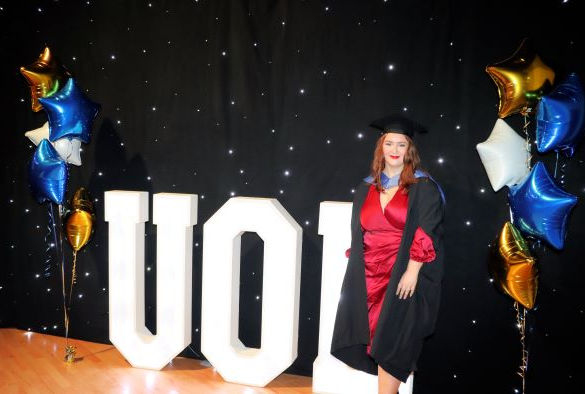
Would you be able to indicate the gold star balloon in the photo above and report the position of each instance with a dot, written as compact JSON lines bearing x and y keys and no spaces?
{"x":521,"y":80}
{"x":45,"y":77}
{"x":513,"y":268}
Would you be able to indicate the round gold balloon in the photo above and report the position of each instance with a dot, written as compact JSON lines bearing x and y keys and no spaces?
{"x":79,"y":224}
{"x":78,"y":228}
{"x":513,"y":268}
{"x":45,"y":77}
{"x":521,"y":80}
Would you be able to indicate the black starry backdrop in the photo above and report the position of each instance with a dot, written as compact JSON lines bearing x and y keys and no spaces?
{"x":272,"y":99}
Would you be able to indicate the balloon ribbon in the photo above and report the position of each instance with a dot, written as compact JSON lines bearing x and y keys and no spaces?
{"x":563,"y":165}
{"x":525,"y":115}
{"x":521,"y":324}
{"x":70,"y":350}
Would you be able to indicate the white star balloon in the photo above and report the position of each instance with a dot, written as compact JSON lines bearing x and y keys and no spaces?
{"x":37,"y":135}
{"x":504,"y":156}
{"x":69,"y":149}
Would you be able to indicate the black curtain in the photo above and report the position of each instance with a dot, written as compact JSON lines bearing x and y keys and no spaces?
{"x":273,"y":99}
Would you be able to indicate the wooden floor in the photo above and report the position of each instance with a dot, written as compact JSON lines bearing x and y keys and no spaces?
{"x":33,"y":363}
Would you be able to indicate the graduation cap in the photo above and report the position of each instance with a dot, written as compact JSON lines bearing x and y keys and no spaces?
{"x":398,"y":124}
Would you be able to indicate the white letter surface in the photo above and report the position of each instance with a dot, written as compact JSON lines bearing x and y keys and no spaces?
{"x":282,"y":238}
{"x":175,"y":215}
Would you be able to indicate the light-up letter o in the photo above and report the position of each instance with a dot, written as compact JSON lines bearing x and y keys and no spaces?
{"x":282,"y":238}
{"x":175,"y":215}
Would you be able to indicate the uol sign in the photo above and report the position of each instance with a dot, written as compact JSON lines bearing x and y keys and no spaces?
{"x":175,"y":215}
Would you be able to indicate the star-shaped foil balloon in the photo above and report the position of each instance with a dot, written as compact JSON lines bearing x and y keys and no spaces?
{"x":37,"y":135}
{"x":560,"y":116}
{"x":68,"y":148}
{"x":45,"y":77}
{"x":521,"y":80}
{"x":540,"y":208}
{"x":513,"y":268}
{"x":70,"y":113}
{"x":504,"y":156}
{"x":48,"y":174}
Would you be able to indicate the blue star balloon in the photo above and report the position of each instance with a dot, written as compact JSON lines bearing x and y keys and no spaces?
{"x":70,"y":113}
{"x":560,"y":117}
{"x":540,"y":208}
{"x":47,"y":174}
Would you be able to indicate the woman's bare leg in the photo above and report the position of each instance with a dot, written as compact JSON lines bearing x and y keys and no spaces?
{"x":387,"y":384}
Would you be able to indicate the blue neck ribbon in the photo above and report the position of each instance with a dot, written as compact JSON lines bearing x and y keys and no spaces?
{"x":388,"y":182}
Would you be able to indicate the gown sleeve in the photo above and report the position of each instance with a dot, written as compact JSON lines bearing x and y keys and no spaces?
{"x":422,"y":249}
{"x":431,"y":211}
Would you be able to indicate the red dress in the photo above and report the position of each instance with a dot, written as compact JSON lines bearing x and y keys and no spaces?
{"x":382,"y":235}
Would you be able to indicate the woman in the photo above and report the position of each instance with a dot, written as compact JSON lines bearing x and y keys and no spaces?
{"x":390,"y":294}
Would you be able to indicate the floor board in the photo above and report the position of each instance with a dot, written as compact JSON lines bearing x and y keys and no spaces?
{"x":33,"y":363}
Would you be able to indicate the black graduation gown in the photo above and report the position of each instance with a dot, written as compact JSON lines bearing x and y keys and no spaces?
{"x":403,"y":324}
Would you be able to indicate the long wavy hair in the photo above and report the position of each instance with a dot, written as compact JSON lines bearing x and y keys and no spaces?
{"x":411,"y":164}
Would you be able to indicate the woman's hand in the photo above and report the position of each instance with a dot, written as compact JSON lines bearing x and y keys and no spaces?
{"x":407,"y":283}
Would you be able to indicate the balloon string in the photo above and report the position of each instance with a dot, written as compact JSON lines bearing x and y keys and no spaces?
{"x":73,"y":276}
{"x":51,"y":232}
{"x":73,"y":280}
{"x":521,"y":324}
{"x":63,"y":287}
{"x":562,"y":166}
{"x":528,"y":146}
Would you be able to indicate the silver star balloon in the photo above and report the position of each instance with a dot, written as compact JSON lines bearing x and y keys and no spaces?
{"x":69,"y":149}
{"x":504,"y":156}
